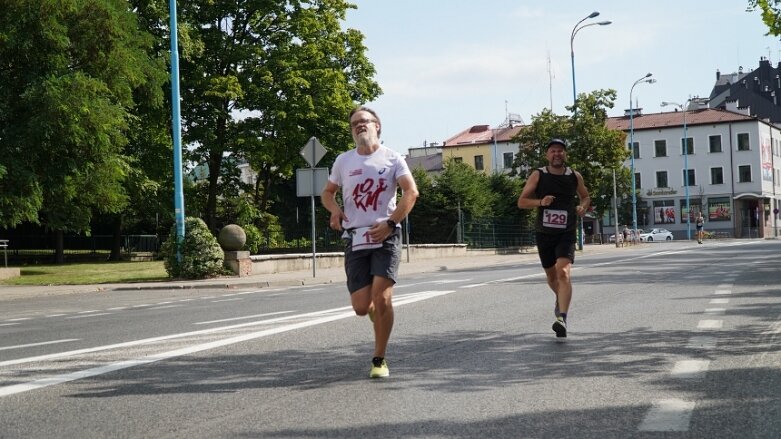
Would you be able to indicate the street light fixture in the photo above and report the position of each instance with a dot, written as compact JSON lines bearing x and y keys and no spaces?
{"x":685,"y":164}
{"x":647,"y":78}
{"x":575,"y":30}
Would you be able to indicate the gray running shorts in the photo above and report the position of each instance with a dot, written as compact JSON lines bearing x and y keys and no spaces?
{"x":362,"y":265}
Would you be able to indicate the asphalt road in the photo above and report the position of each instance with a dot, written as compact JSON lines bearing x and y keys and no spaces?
{"x":666,"y":340}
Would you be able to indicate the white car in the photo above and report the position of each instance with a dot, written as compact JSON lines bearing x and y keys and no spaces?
{"x":656,"y":235}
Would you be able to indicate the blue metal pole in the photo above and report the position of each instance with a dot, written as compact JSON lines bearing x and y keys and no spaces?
{"x":177,"y":132}
{"x":686,"y":177}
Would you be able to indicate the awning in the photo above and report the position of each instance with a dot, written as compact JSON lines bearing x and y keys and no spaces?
{"x":748,"y":196}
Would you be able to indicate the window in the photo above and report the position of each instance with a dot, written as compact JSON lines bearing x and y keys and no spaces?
{"x":660,"y":148}
{"x":714,"y":143}
{"x":458,"y":159}
{"x":661,"y":179}
{"x":664,"y":211}
{"x":690,"y":181}
{"x":635,"y":149}
{"x":637,"y":181}
{"x":718,"y":209}
{"x":716,"y":176}
{"x":695,"y":207}
{"x":743,"y":142}
{"x":508,"y":160}
{"x":687,"y":146}
{"x":479,"y":162}
{"x":744,"y":174}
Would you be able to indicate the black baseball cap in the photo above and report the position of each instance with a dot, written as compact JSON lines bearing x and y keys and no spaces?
{"x":557,"y":142}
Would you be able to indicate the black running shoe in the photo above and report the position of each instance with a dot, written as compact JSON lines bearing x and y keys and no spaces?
{"x":560,"y":327}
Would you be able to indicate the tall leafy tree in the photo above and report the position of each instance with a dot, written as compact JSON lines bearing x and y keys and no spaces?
{"x":68,"y":73}
{"x":258,"y":79}
{"x":771,"y":14}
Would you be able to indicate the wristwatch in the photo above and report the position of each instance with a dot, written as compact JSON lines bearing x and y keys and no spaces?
{"x":391,"y":223}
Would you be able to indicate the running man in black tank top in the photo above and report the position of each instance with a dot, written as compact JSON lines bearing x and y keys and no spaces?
{"x":552,"y":190}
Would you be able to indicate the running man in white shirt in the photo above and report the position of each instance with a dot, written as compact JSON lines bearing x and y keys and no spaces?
{"x":368,"y":177}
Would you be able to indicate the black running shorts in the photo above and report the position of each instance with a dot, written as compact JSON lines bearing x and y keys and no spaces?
{"x":552,"y":246}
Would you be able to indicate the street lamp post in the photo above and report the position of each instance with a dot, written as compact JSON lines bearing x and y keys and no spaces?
{"x":575,"y":30}
{"x":647,"y":78}
{"x":685,"y":144}
{"x":176,"y":132}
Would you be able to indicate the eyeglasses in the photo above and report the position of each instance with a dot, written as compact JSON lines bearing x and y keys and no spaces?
{"x":358,"y":122}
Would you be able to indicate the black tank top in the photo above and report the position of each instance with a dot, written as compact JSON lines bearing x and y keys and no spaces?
{"x":560,"y":216}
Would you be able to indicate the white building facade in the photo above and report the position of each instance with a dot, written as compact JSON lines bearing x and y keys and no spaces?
{"x":733,"y":168}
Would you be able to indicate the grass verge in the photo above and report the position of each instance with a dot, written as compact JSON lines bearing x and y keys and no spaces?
{"x":88,"y":274}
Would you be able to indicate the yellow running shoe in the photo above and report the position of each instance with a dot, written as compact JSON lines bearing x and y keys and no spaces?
{"x":379,"y":368}
{"x":371,"y":313}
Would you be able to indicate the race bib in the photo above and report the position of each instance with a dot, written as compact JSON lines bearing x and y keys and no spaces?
{"x":362,"y":240}
{"x":554,"y":218}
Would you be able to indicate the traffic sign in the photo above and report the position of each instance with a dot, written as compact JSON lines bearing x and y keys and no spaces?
{"x":313,"y":151}
{"x":310,"y":182}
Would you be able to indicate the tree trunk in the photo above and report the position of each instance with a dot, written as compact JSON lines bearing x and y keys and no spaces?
{"x":116,"y":243}
{"x":59,"y":247}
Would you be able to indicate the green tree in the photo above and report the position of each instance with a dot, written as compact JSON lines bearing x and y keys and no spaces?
{"x":68,"y":75}
{"x":259,"y":79}
{"x":771,"y":14}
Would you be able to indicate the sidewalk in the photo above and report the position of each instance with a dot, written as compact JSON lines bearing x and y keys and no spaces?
{"x":292,"y":278}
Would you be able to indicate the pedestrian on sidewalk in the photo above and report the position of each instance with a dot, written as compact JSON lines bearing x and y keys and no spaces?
{"x":551,"y":190}
{"x":700,"y":224}
{"x":368,"y":177}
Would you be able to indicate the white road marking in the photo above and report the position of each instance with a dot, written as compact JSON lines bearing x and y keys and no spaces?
{"x":227,"y":300}
{"x":118,"y":308}
{"x":165,"y":307}
{"x":20,"y":319}
{"x":724,"y":286}
{"x":690,"y":369}
{"x":719,"y":301}
{"x":89,"y":315}
{"x":317,"y":317}
{"x":775,"y":328}
{"x":54,"y":315}
{"x":722,"y":292}
{"x":243,"y":318}
{"x":8,"y":324}
{"x":87,"y":312}
{"x":715,"y":310}
{"x":43,"y":343}
{"x":668,"y":415}
{"x":710,"y":324}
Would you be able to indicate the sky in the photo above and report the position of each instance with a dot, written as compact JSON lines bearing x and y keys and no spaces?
{"x":446,"y":65}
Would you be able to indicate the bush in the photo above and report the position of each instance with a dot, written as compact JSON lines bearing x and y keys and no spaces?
{"x":201,"y":255}
{"x":254,"y":239}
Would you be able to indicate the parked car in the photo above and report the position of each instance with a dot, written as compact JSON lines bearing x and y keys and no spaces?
{"x":656,"y":235}
{"x":612,"y":238}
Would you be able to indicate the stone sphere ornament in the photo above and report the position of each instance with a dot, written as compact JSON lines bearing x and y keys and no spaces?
{"x":232,"y":238}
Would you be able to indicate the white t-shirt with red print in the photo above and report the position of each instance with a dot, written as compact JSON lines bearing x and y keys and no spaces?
{"x":368,"y":185}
